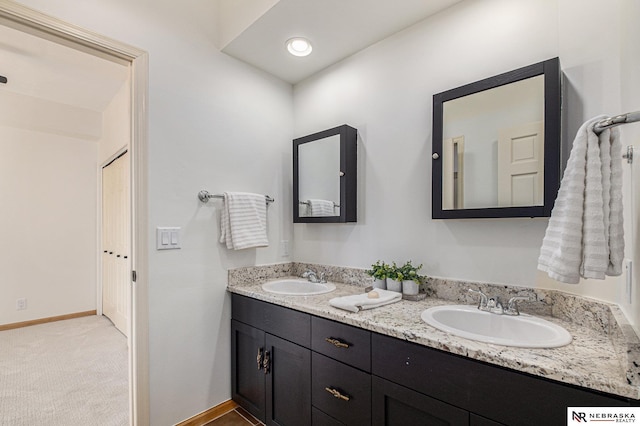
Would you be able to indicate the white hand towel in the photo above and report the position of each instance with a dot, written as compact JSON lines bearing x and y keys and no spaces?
{"x":584,"y":237}
{"x":243,"y":223}
{"x":358,"y":302}
{"x":321,"y":208}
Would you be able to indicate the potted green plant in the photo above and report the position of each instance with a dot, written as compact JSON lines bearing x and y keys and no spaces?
{"x":394,"y":278}
{"x":379,"y":272}
{"x":410,"y":278}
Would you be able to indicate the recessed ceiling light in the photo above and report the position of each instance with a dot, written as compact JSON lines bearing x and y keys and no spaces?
{"x":299,"y":46}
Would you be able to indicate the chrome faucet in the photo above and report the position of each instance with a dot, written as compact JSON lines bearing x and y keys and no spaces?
{"x":494,"y":305}
{"x":313,"y":277}
{"x":512,"y":305}
{"x":484,"y":300}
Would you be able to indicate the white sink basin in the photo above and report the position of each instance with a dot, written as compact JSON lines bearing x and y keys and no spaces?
{"x":297,"y":287}
{"x":523,"y":330}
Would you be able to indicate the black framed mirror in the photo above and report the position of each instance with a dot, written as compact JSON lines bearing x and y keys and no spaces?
{"x":325,"y":176}
{"x":496,"y":145}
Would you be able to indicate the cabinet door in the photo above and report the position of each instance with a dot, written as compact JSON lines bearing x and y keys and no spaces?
{"x":395,"y":405}
{"x":247,"y":376}
{"x":288,"y":386}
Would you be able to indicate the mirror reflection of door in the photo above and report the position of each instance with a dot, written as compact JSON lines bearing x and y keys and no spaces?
{"x":521,"y":165}
{"x":319,"y":177}
{"x":453,"y":173}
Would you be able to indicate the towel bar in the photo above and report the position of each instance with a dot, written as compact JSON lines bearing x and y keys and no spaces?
{"x":307,"y":203}
{"x":205,"y":196}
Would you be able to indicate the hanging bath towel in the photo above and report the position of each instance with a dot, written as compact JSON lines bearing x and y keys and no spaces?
{"x":243,"y":223}
{"x":585,"y":235}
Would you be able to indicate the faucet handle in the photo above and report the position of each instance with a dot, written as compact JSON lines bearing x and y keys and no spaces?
{"x":322,"y":277}
{"x":484,"y":300}
{"x":512,"y":305}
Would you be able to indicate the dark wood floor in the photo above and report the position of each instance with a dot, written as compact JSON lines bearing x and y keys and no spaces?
{"x":237,"y":417}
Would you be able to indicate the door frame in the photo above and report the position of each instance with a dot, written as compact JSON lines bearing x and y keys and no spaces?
{"x":31,"y":21}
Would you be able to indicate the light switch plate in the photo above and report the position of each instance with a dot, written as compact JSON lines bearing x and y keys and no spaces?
{"x":167,"y":238}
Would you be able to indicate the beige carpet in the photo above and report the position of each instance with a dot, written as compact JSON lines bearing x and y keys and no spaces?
{"x":71,"y":372}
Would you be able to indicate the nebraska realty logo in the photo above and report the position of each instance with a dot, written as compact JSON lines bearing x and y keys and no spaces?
{"x":581,"y":415}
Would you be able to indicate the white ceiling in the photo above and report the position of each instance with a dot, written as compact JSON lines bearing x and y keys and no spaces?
{"x":336,"y":29}
{"x":43,"y":69}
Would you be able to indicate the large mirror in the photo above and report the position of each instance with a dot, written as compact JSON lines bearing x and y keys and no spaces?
{"x":496,"y":145}
{"x":325,"y":176}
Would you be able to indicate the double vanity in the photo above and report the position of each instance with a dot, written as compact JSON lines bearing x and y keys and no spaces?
{"x":297,"y":360}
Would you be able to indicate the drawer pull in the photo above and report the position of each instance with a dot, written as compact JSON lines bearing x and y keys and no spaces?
{"x":337,"y":343}
{"x":259,"y":358}
{"x":266,"y":362}
{"x":337,"y":394}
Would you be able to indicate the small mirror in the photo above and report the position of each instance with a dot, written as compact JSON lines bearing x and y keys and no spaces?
{"x":325,"y":176}
{"x":496,"y":145}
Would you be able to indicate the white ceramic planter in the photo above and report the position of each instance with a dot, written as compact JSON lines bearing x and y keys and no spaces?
{"x":394,"y":285}
{"x":410,"y":287}
{"x":380,"y":283}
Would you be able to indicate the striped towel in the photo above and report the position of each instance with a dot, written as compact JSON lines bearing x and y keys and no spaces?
{"x":585,"y":237}
{"x":321,"y":208}
{"x":243,"y":223}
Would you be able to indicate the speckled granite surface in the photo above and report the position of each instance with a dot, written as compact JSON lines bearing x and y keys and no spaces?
{"x":595,"y":359}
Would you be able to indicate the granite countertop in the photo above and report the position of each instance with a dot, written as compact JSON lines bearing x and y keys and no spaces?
{"x":590,"y":361}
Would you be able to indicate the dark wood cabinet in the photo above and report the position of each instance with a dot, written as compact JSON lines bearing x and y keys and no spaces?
{"x":342,"y":342}
{"x":288,"y":386}
{"x":492,"y":392}
{"x":248,"y":385}
{"x":318,"y":418}
{"x":271,"y":376}
{"x":395,"y":405}
{"x":341,"y":391}
{"x":324,"y":373}
{"x":475,"y":420}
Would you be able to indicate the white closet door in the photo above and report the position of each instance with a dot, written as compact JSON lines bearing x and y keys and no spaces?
{"x":116,"y":244}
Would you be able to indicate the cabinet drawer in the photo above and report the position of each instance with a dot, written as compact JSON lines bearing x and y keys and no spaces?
{"x":343,"y":342}
{"x":395,"y":405}
{"x":286,"y":323}
{"x":352,"y":405}
{"x":318,"y":418}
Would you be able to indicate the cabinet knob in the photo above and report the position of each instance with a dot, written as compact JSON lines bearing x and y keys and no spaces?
{"x":435,"y":155}
{"x":337,"y":343}
{"x":337,"y":394}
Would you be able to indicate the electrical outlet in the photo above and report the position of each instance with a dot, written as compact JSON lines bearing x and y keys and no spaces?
{"x":21,"y":304}
{"x":284,"y":248}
